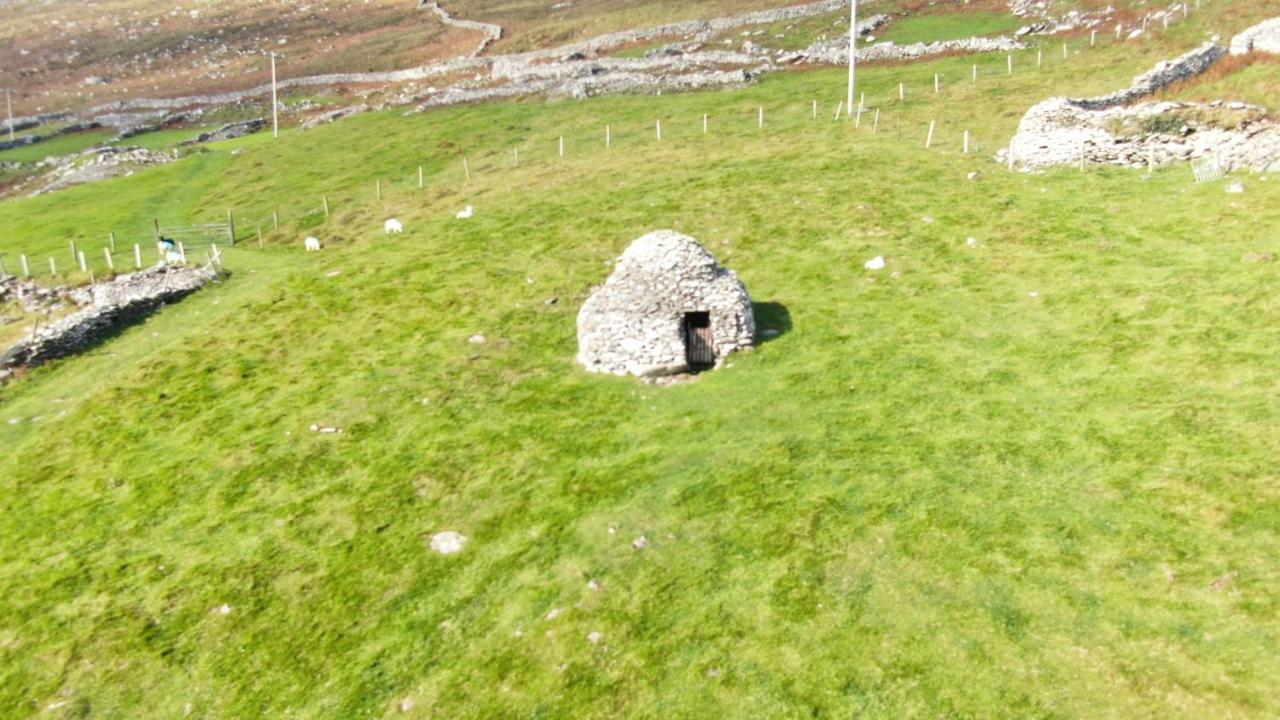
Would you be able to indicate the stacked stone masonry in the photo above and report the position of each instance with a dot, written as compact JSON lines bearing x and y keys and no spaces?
{"x":635,"y":323}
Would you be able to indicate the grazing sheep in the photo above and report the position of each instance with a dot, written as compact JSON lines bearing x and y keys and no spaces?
{"x":465,"y":214}
{"x":875,"y":263}
{"x":313,"y":245}
{"x":393,"y":226}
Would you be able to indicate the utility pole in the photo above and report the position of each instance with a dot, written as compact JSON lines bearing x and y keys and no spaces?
{"x":853,"y":53}
{"x":275,"y":104}
{"x":8,"y":101}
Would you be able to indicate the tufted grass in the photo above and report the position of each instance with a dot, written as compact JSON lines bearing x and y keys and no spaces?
{"x":1033,"y":477}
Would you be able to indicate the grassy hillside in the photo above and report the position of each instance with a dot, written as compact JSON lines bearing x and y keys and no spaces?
{"x":1028,"y":476}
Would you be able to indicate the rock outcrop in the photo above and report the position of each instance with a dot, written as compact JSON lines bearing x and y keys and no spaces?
{"x":110,"y":308}
{"x":665,"y":288}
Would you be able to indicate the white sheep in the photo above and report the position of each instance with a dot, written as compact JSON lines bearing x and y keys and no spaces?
{"x":875,"y":263}
{"x":465,"y":214}
{"x":313,"y":244}
{"x":393,"y":226}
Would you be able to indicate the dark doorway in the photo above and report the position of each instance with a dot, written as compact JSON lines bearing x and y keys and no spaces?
{"x":699,"y":342}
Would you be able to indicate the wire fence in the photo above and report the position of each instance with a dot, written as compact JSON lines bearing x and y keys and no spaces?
{"x":880,"y":118}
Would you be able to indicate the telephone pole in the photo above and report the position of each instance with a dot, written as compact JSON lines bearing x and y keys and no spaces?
{"x":275,"y":104}
{"x":8,"y":101}
{"x":853,"y":54}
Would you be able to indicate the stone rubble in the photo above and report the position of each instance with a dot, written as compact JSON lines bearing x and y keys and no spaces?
{"x":633,"y":324}
{"x":99,"y":164}
{"x":1263,"y":37}
{"x":110,"y":306}
{"x":1059,"y":131}
{"x":230,"y":131}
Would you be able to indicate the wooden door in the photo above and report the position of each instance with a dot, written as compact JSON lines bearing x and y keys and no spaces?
{"x":699,"y":342}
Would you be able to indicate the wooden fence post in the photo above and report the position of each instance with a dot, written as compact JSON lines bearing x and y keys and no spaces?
{"x":275,"y":219}
{"x":975,"y":73}
{"x":561,"y":146}
{"x":75,"y":251}
{"x":26,"y":269}
{"x":760,"y":123}
{"x":259,"y":238}
{"x":1009,"y":57}
{"x":182,"y":252}
{"x":705,"y":125}
{"x":420,"y":178}
{"x":377,"y":185}
{"x":608,"y":137}
{"x":658,"y":125}
{"x":231,"y":226}
{"x":928,"y":141}
{"x":325,"y":198}
{"x":137,"y":255}
{"x":902,"y":92}
{"x":875,"y":126}
{"x":466,"y":168}
{"x":815,"y":109}
{"x":936,"y":86}
{"x":156,"y":223}
{"x":111,"y":264}
{"x":857,"y":119}
{"x":53,"y":266}
{"x":966,"y":142}
{"x":112,"y":236}
{"x":84,"y":266}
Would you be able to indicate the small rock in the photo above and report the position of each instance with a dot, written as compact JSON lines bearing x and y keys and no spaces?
{"x":974,"y":175}
{"x":971,"y":242}
{"x":594,"y":637}
{"x":224,"y":610}
{"x":406,"y":705}
{"x":554,"y":613}
{"x":640,"y":543}
{"x":875,"y":263}
{"x":448,"y":542}
{"x":476,"y":339}
{"x":593,"y":585}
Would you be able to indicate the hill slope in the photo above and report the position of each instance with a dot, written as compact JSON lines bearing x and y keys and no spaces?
{"x":1028,"y":475}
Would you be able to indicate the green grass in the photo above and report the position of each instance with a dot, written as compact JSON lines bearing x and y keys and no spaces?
{"x":164,"y":139}
{"x":61,"y":145}
{"x":1033,"y":478}
{"x":948,"y":26}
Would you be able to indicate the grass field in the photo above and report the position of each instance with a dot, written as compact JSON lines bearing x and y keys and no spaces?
{"x":1031,"y":476}
{"x":53,"y":147}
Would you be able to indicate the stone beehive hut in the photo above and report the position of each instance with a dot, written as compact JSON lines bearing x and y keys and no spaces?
{"x":667,"y":308}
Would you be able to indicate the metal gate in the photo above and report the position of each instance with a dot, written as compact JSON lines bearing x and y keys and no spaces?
{"x":699,"y":342}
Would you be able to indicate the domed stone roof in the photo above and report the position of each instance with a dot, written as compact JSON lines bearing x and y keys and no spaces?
{"x":669,"y":307}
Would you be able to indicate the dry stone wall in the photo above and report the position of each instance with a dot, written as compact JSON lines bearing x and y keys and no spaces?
{"x":110,"y":308}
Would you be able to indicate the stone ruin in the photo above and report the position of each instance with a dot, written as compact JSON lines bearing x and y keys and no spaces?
{"x":668,"y":308}
{"x":107,"y":309}
{"x":1109,"y":130}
